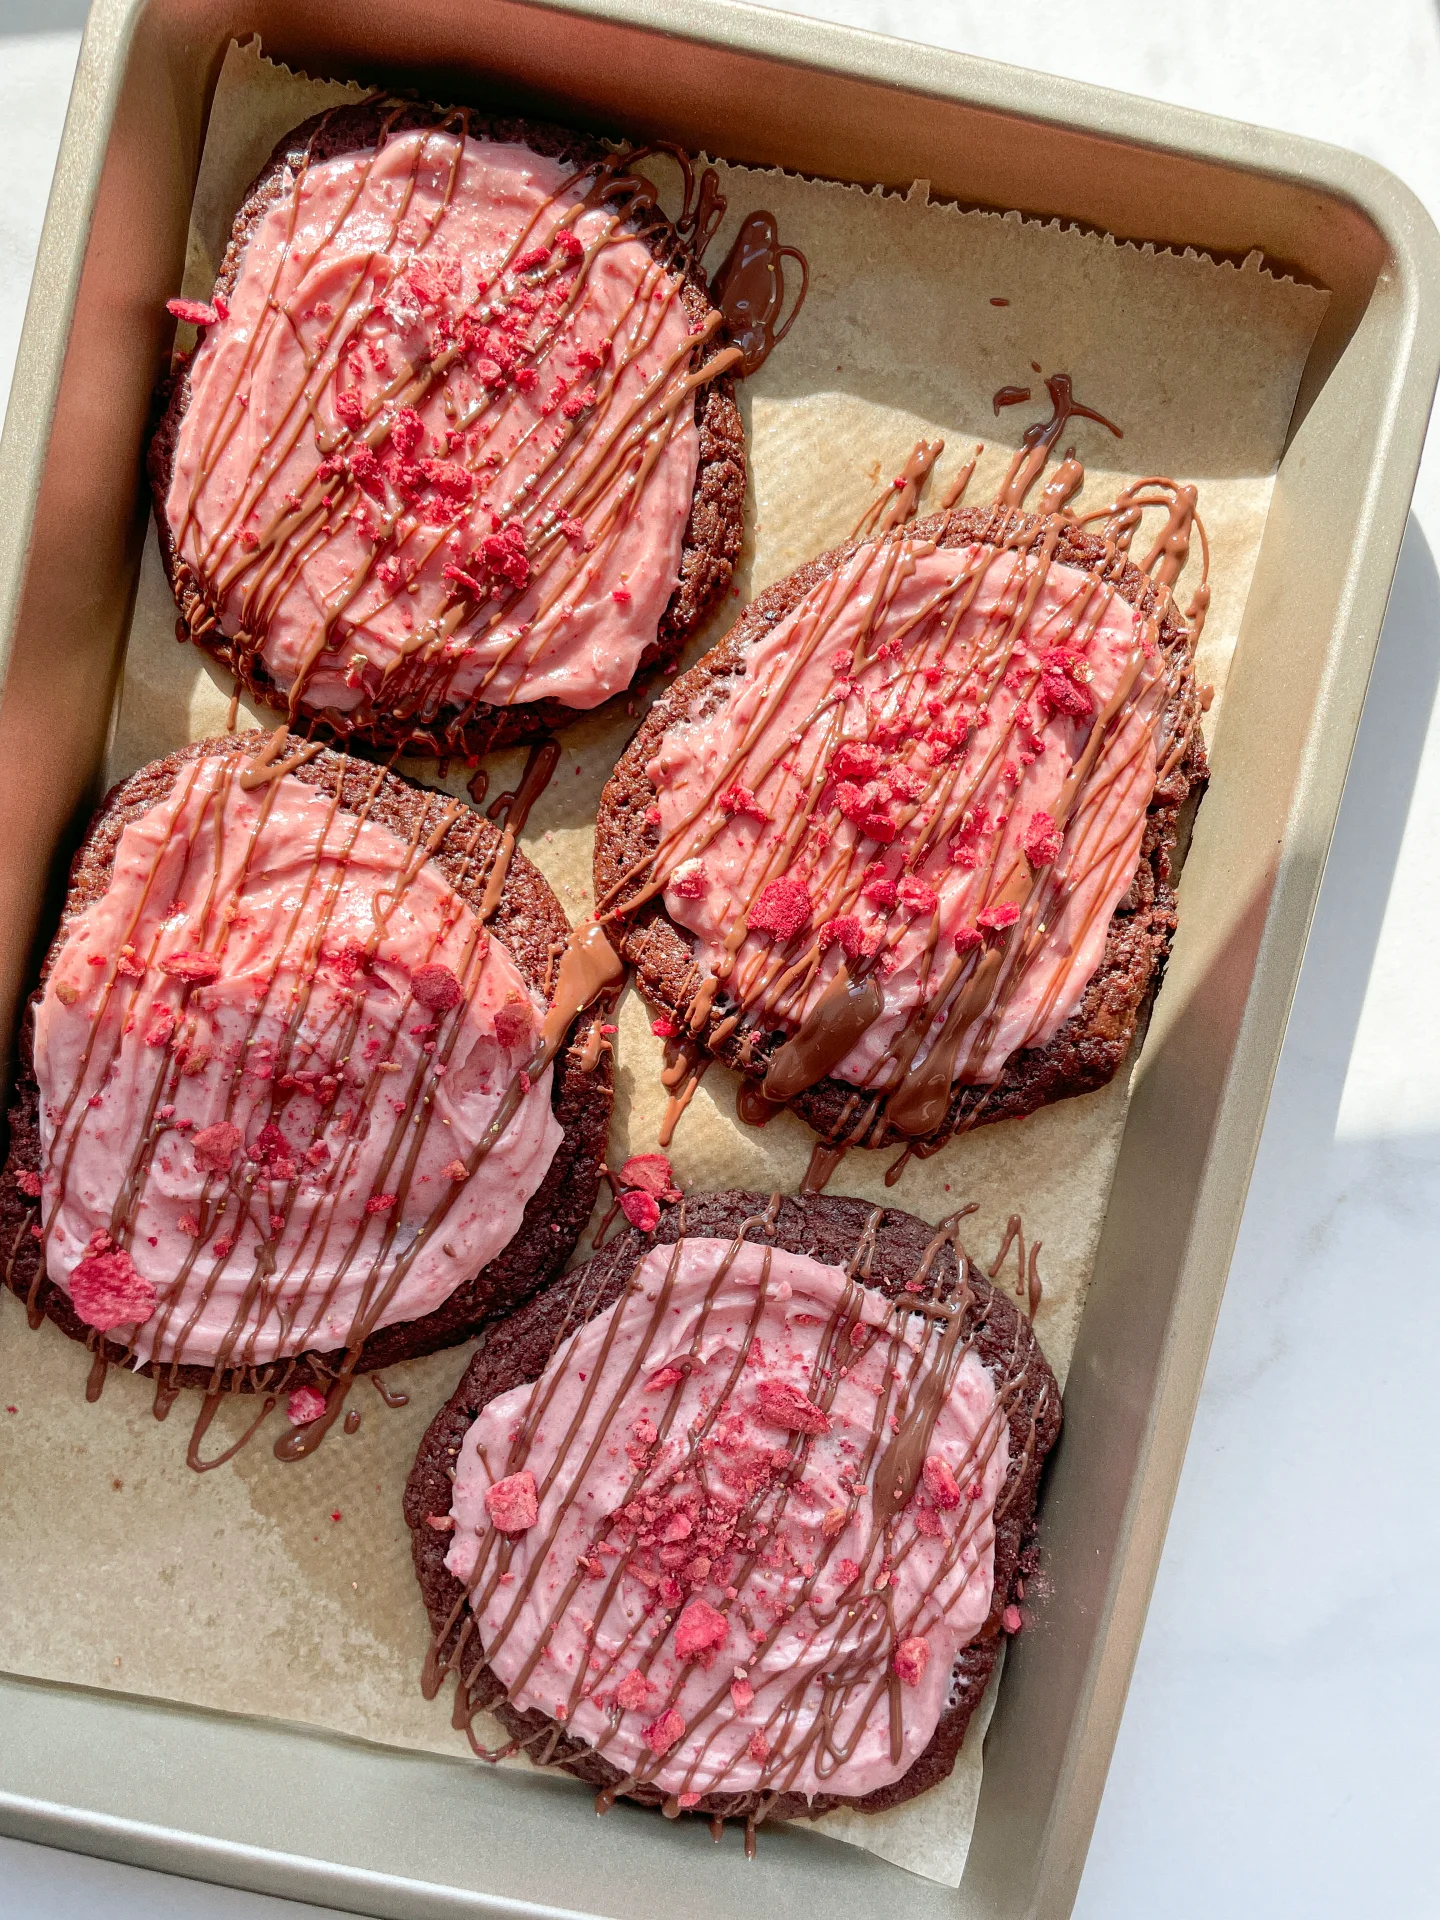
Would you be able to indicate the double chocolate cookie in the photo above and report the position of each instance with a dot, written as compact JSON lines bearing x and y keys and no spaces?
{"x":293,"y":1098}
{"x":730,"y":1518}
{"x":458,"y":453}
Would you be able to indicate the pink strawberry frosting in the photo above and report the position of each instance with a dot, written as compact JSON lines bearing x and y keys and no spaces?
{"x":246,"y":1119}
{"x":370,"y":268}
{"x":747,"y":765}
{"x":669,"y":1656}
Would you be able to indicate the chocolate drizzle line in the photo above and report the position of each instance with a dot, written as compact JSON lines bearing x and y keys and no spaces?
{"x":941,"y":1295}
{"x":964,"y":996}
{"x":594,"y":480}
{"x":290,"y":1293}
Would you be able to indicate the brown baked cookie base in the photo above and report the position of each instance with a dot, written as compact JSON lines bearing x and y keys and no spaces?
{"x":1081,"y":1055}
{"x":530,"y":922}
{"x":712,"y":534}
{"x":827,"y":1228}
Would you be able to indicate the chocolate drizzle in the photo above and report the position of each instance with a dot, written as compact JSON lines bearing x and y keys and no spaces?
{"x":946,"y":793}
{"x":749,"y":290}
{"x":939,"y":1312}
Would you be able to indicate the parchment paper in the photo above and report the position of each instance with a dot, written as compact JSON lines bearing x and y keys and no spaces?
{"x":287,"y":1590}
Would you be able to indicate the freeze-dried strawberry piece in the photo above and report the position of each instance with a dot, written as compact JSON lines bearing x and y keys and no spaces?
{"x":216,"y":1146}
{"x":449,"y":479}
{"x":866,"y":808}
{"x":833,"y":1525}
{"x":531,"y":259}
{"x":652,"y":1173}
{"x":465,"y":581}
{"x":274,"y":1152}
{"x":855,"y":759}
{"x":997,"y":919}
{"x":783,"y":909}
{"x":457,"y":1170}
{"x":1063,"y":687}
{"x":785,"y":1406}
{"x":845,"y":932}
{"x":504,"y":554}
{"x":304,"y":1405}
{"x":664,"y":1028}
{"x":512,"y":1504}
{"x":350,"y":410}
{"x":940,"y":1483}
{"x":967,"y":939}
{"x":759,"y":1748}
{"x":435,"y":987}
{"x":688,"y":881}
{"x":633,"y":1691}
{"x":381,"y":1202}
{"x":662,"y":1734}
{"x":699,"y":1629}
{"x":742,"y":1694}
{"x":916,"y":895}
{"x":1012,"y":1620}
{"x":664,"y":1377}
{"x":1042,"y":839}
{"x":514,"y":1025}
{"x":200,"y":313}
{"x":367,"y":472}
{"x":407,"y":430}
{"x":198,"y":968}
{"x":105,"y":1289}
{"x":129,"y":964}
{"x":28,"y":1183}
{"x":912,"y":1656}
{"x":642,"y":1210}
{"x":738,"y":801}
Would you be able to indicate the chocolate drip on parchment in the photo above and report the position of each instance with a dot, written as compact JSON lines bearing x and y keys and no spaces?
{"x":965,"y":994}
{"x":918,"y":1377}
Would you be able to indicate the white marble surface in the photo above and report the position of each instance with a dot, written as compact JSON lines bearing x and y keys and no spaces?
{"x":1282,"y":1734}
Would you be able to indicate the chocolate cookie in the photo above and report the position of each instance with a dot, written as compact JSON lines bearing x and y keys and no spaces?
{"x":779,"y":1478}
{"x":475,"y":401}
{"x":943,"y":820}
{"x":280,"y":1111}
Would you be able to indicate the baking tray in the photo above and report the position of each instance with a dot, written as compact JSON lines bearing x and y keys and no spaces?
{"x":290,"y":1811}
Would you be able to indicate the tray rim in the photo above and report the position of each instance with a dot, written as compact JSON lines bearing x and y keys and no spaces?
{"x":1016,"y":93}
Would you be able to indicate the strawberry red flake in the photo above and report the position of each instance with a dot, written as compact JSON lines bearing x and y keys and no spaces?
{"x":700,"y":1629}
{"x":688,"y":882}
{"x":407,"y":430}
{"x":997,"y":919}
{"x":504,"y":554}
{"x":512,"y":1504}
{"x":782,"y":1405}
{"x":304,"y":1405}
{"x":916,"y":895}
{"x":577,"y":404}
{"x":759,"y":1748}
{"x":912,"y":1656}
{"x":739,"y":800}
{"x":457,"y":1170}
{"x":742,"y":1694}
{"x":844,"y":932}
{"x":940,"y":1483}
{"x":530,"y":260}
{"x":620,"y":595}
{"x":449,"y":478}
{"x":855,"y":759}
{"x":380,"y":1202}
{"x":664,"y":1028}
{"x":633,"y":1691}
{"x":1011,"y":1620}
{"x":105,"y":1289}
{"x":652,"y":1173}
{"x":688,"y":1800}
{"x":571,"y":247}
{"x":200,"y":313}
{"x":435,"y":987}
{"x":350,"y":410}
{"x":28,"y":1183}
{"x":662,"y":1734}
{"x":1042,"y":839}
{"x":967,"y":939}
{"x":216,"y":1146}
{"x":783,"y":909}
{"x":642,"y":1210}
{"x":866,"y":808}
{"x":514,"y":1025}
{"x":665,"y":1377}
{"x":129,"y":964}
{"x":198,"y":968}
